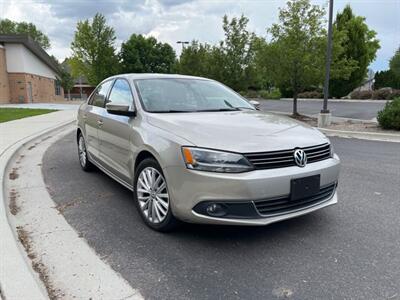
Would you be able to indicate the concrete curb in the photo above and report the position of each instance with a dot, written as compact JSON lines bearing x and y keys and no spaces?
{"x":334,"y":100}
{"x":333,"y":118}
{"x":68,"y":266}
{"x":373,"y":136}
{"x":17,"y":278}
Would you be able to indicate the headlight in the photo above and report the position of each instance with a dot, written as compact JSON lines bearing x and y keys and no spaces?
{"x":332,"y":150}
{"x":215,"y":161}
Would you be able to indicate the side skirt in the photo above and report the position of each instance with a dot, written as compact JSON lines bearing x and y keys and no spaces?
{"x":113,"y":176}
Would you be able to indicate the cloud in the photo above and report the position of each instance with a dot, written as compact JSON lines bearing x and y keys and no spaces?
{"x":172,"y":20}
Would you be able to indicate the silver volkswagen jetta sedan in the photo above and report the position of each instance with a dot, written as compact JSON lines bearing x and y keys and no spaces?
{"x":192,"y":149}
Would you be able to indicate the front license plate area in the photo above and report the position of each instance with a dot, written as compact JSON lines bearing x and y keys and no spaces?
{"x":304,"y":187}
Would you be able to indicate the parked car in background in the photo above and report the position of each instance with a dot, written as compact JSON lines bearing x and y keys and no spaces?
{"x":193,"y":150}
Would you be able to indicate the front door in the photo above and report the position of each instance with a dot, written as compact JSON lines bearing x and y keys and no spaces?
{"x":115,"y":134}
{"x":93,"y":119}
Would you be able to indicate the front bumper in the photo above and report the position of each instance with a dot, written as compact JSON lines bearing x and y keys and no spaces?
{"x":188,"y":188}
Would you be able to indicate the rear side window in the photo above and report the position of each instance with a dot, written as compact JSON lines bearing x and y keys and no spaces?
{"x":121,"y":93}
{"x":100,"y":94}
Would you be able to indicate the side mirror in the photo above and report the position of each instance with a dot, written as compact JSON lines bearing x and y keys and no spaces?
{"x":119,"y":109}
{"x":255,"y":103}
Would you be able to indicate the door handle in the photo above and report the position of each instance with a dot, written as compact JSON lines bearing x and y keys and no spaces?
{"x":99,"y":123}
{"x":84,"y":116}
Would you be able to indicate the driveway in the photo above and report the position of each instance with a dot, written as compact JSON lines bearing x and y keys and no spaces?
{"x":350,"y":250}
{"x":354,"y":110}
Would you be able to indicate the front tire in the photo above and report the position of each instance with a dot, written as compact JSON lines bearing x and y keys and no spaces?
{"x":84,"y":162}
{"x":152,"y":198}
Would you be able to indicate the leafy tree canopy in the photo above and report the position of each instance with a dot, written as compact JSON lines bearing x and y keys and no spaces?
{"x":146,"y":55}
{"x":359,"y":45}
{"x":93,"y":50}
{"x":395,"y":63}
{"x":231,"y":61}
{"x":294,"y":57}
{"x":10,"y":27}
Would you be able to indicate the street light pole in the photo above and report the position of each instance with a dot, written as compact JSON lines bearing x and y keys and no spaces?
{"x":183,"y":43}
{"x":324,"y":119}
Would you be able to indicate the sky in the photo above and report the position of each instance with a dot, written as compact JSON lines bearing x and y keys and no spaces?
{"x":173,"y":20}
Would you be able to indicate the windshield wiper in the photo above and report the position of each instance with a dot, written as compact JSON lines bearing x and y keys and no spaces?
{"x":219,"y":109}
{"x":172,"y":111}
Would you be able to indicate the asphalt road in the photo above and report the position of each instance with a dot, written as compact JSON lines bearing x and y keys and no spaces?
{"x":353,"y":110}
{"x":348,"y":251}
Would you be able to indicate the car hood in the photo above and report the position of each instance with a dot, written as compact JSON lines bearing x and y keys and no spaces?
{"x":238,"y":131}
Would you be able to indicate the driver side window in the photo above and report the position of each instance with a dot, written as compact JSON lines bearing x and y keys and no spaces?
{"x":121,"y":93}
{"x":100,"y":94}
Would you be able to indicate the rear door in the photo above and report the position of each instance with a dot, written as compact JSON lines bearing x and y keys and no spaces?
{"x":92,"y":116}
{"x":115,"y":133}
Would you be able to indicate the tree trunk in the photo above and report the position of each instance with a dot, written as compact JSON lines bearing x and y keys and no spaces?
{"x":69,"y":95}
{"x":295,"y":113}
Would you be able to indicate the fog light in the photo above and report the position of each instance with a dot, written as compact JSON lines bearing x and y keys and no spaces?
{"x":216,"y":210}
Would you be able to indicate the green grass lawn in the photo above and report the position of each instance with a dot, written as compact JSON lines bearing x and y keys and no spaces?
{"x":9,"y":113}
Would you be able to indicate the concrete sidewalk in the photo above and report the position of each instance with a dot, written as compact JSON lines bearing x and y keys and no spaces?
{"x":17,"y":280}
{"x":58,"y":106}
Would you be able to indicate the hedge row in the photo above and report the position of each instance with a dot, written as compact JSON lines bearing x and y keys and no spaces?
{"x":381,"y":94}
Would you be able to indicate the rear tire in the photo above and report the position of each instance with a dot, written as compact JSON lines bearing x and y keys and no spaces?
{"x":84,"y":161}
{"x":152,"y":198}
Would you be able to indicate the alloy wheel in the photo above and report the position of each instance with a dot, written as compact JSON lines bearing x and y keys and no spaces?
{"x":152,"y":195}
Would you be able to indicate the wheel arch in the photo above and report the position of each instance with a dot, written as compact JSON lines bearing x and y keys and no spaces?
{"x":142,"y":155}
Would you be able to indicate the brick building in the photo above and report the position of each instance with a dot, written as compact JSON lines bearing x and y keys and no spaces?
{"x":27,"y":73}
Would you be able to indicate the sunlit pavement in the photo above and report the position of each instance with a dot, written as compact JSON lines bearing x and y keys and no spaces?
{"x":355,"y":110}
{"x":350,"y":250}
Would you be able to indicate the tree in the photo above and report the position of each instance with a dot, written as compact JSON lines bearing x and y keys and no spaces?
{"x":394,"y":63}
{"x":10,"y":27}
{"x":93,"y":50}
{"x":231,"y":61}
{"x":146,"y":55}
{"x":386,"y":79}
{"x":195,"y":60}
{"x":66,"y":79}
{"x":295,"y":57}
{"x":359,"y":44}
{"x":238,"y":52}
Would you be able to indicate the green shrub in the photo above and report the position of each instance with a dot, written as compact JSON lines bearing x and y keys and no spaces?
{"x":395,"y":94}
{"x":273,"y":94}
{"x":311,"y":95}
{"x":249,"y":94}
{"x":382,"y":94}
{"x":361,"y":95}
{"x":389,"y":117}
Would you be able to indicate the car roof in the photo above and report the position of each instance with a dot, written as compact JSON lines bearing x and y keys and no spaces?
{"x":134,"y":76}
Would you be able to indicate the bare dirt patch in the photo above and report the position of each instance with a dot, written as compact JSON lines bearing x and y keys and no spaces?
{"x":61,"y":208}
{"x":37,"y":265}
{"x":14,"y":208}
{"x":14,"y":174}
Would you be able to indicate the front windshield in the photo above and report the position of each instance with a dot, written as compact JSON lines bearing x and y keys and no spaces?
{"x":188,"y":95}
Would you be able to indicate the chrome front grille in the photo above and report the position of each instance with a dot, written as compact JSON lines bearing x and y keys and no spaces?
{"x":284,"y":204}
{"x":285,"y":158}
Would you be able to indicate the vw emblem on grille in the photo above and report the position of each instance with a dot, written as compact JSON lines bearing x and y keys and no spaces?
{"x":300,"y":157}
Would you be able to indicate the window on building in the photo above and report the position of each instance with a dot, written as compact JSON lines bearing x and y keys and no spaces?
{"x":57,"y":87}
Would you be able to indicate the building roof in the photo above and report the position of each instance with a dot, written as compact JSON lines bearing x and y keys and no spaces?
{"x":33,"y":46}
